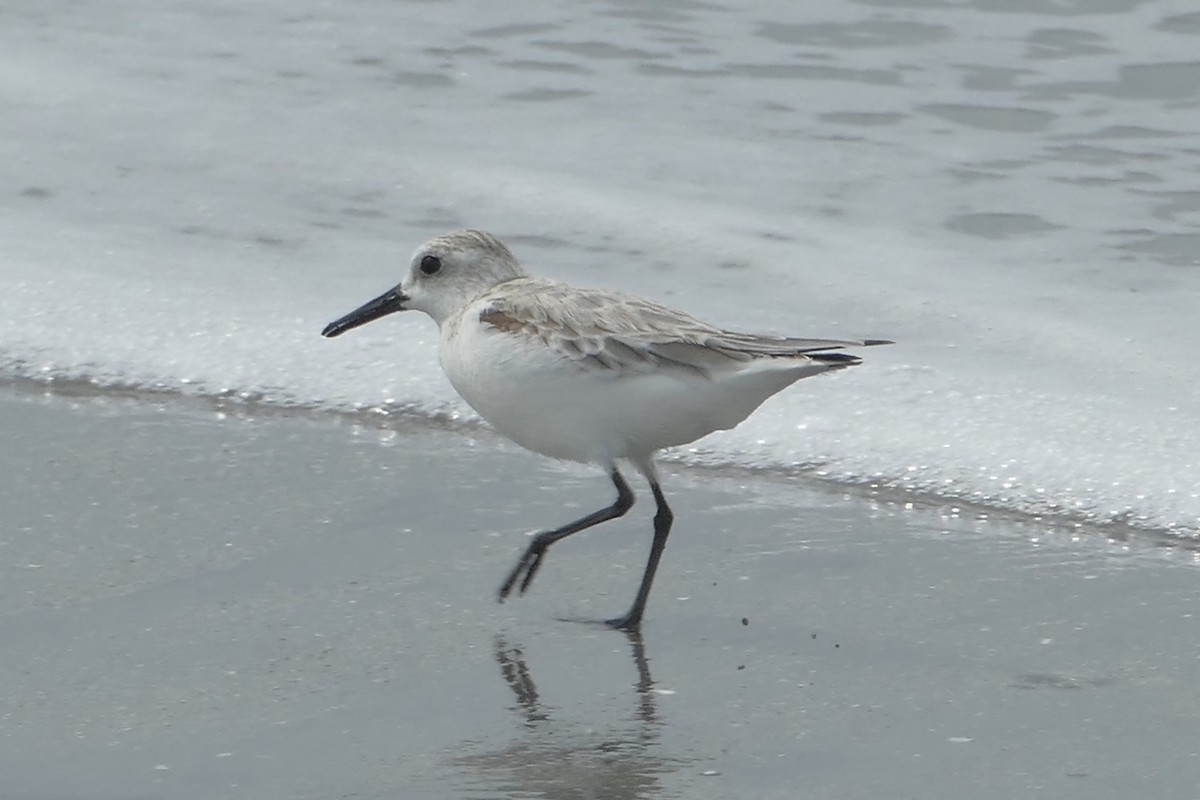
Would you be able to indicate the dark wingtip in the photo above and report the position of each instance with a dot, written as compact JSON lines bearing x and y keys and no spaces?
{"x":844,"y":359}
{"x":873,"y":342}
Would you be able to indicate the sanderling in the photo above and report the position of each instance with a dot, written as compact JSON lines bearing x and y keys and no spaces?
{"x":586,"y":374}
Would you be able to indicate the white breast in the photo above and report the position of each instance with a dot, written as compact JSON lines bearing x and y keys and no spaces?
{"x":549,"y":404}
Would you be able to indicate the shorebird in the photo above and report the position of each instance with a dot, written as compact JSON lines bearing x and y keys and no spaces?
{"x":588,"y":375}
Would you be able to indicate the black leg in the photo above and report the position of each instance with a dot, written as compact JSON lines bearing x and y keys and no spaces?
{"x":531,"y":559}
{"x":662,"y":528}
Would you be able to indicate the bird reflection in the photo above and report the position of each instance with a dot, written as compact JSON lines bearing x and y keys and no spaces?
{"x":516,"y":674}
{"x":559,"y":760}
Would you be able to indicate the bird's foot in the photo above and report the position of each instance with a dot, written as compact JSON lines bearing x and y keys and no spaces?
{"x":630,"y":623}
{"x":527,"y":565}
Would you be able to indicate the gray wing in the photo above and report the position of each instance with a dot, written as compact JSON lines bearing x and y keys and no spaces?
{"x":613,"y":333}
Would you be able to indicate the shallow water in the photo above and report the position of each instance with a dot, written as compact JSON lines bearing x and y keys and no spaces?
{"x":1006,"y":189}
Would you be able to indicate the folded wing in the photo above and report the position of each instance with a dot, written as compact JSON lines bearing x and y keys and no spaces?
{"x":618,"y":334}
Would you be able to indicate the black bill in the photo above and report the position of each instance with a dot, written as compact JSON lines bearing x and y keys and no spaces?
{"x":387,"y":303}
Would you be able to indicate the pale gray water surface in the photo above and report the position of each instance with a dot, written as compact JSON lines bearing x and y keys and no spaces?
{"x":1005,"y":188}
{"x":200,"y":605}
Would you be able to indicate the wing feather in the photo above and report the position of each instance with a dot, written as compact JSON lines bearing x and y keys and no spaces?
{"x":612,"y":333}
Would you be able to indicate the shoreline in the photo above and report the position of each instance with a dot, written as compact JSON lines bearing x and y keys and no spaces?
{"x":248,"y":406}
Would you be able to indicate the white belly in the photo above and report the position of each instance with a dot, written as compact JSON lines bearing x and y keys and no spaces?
{"x":550,"y":405}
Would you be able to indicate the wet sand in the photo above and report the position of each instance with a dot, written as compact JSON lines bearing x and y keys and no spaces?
{"x":203,"y":606}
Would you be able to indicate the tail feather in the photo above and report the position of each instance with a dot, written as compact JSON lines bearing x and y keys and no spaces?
{"x":822,"y":350}
{"x":838,"y":359}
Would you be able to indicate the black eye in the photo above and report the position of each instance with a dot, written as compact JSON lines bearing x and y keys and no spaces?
{"x":430,"y":264}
